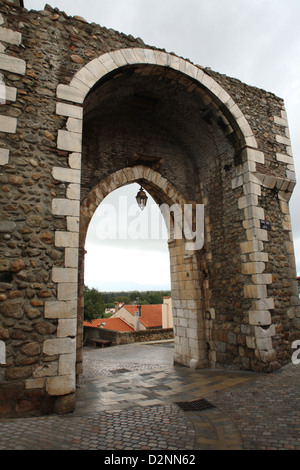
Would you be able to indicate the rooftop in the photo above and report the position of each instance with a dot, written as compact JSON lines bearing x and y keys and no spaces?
{"x":116,"y":324}
{"x":151,"y":315}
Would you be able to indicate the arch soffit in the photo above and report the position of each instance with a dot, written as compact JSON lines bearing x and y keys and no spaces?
{"x":85,"y":79}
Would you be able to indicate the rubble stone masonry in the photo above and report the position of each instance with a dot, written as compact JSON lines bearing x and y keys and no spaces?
{"x":85,"y":110}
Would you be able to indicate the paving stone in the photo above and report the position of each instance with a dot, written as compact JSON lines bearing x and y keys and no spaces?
{"x":252,"y":411}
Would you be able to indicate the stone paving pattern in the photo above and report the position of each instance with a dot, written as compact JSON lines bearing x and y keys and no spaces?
{"x":267,"y":410}
{"x":126,"y":401}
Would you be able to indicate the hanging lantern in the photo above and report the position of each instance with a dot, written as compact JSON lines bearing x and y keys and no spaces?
{"x":141,"y":199}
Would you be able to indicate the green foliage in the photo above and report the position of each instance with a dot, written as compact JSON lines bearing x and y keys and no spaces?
{"x":123,"y":299}
{"x":93,"y":304}
{"x":96,"y":302}
{"x":145,"y":298}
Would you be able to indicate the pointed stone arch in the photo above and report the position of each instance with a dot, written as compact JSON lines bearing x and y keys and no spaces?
{"x":90,"y":74}
{"x":181,"y":258}
{"x":152,"y":180}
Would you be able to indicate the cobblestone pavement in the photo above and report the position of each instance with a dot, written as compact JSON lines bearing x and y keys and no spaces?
{"x":267,"y":410}
{"x":128,"y":400}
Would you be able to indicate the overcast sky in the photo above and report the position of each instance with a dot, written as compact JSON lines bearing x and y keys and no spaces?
{"x":255,"y":41}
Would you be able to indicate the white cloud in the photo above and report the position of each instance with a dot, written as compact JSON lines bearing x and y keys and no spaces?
{"x":256,"y":41}
{"x":127,"y":248}
{"x":126,"y":269}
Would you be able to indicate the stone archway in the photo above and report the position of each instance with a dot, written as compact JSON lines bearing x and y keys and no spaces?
{"x":243,"y":182}
{"x":190,"y":345}
{"x":71,"y":122}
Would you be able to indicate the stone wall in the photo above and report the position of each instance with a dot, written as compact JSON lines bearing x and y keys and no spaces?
{"x":84,"y":110}
{"x":117,"y":338}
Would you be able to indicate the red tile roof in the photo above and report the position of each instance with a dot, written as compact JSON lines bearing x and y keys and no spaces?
{"x":151,"y":315}
{"x":116,"y":324}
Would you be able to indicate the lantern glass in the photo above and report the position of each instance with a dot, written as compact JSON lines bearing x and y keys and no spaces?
{"x":141,"y":199}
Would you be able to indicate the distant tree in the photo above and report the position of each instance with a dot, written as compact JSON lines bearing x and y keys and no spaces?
{"x":155,"y":298}
{"x":123,"y":299}
{"x":134,"y":295}
{"x":94,"y":300}
{"x":93,"y":304}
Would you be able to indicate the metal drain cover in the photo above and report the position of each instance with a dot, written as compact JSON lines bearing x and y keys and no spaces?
{"x":120,"y":371}
{"x":196,"y":405}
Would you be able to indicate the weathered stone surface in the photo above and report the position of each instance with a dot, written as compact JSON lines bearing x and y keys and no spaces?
{"x":18,"y":373}
{"x":34,"y":383}
{"x":31,"y":349}
{"x":14,"y":294}
{"x":46,"y":370}
{"x":4,"y":156}
{"x":13,"y":309}
{"x":8,"y":124}
{"x":65,"y":207}
{"x":12,"y":64}
{"x":70,"y":93}
{"x":18,"y":265}
{"x":65,"y":404}
{"x":55,"y":254}
{"x":7,"y":226}
{"x":64,"y":275}
{"x":12,"y":37}
{"x":69,"y":110}
{"x":47,"y":237}
{"x":66,"y":174}
{"x":60,"y":386}
{"x":52,"y":347}
{"x":70,"y":141}
{"x":44,"y":294}
{"x":45,"y":328}
{"x":60,"y":309}
{"x":67,"y":291}
{"x":33,"y":313}
{"x":67,"y":328}
{"x":4,"y":333}
{"x":77,"y":59}
{"x":5,"y":265}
